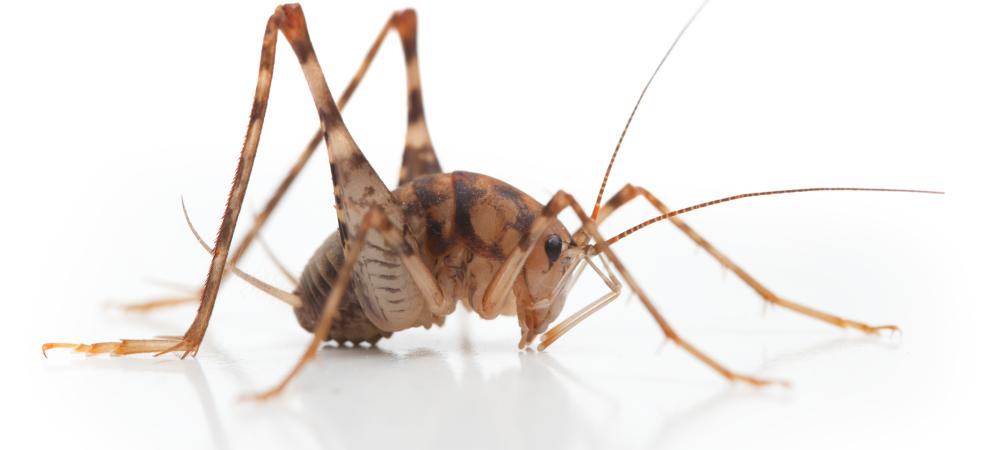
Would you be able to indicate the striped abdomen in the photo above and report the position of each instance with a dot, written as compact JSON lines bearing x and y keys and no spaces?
{"x":315,"y":284}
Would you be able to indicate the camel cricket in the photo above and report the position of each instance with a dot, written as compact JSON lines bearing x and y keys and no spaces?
{"x":405,"y":258}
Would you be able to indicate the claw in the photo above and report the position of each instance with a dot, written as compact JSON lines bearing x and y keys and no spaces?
{"x":892,"y":329}
{"x":757,"y":382}
{"x":261,"y":396}
{"x":183,"y":345}
{"x":51,"y":345}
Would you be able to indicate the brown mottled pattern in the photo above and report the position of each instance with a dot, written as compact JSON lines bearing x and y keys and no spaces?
{"x":357,"y":186}
{"x":491,"y":216}
{"x":391,"y":304}
{"x":479,"y":236}
{"x":469,"y":224}
{"x":470,"y":195}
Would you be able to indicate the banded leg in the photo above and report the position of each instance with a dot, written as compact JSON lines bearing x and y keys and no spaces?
{"x":405,"y":24}
{"x":630,"y":192}
{"x":419,"y":157}
{"x":418,"y":154}
{"x":375,"y":220}
{"x":340,"y":146}
{"x":561,"y":201}
{"x":417,"y":148}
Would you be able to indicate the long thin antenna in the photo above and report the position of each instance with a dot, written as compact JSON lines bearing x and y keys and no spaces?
{"x":678,"y":212}
{"x":607,"y":173}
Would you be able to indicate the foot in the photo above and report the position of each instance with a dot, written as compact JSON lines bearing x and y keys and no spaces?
{"x":755,"y":382}
{"x":263,"y":396}
{"x":892,"y":329}
{"x":129,"y":347}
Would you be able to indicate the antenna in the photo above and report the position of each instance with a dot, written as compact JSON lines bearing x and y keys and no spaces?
{"x":618,"y":146}
{"x":678,"y":212}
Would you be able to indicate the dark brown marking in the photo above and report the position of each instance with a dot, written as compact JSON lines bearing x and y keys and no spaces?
{"x":522,"y":223}
{"x":417,"y":161}
{"x":303,"y":51}
{"x":427,"y":195}
{"x":382,"y":263}
{"x":416,"y":106}
{"x":436,"y":242}
{"x":380,"y":248}
{"x":411,"y":209}
{"x":258,"y":110}
{"x":358,"y":160}
{"x":294,"y":28}
{"x":467,"y":195}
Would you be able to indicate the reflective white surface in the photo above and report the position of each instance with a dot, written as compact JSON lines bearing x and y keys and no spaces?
{"x":112,"y":112}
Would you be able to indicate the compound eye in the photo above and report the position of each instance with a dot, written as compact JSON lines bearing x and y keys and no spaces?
{"x":553,"y":247}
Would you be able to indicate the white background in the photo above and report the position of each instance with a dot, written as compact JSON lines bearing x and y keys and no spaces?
{"x":110,"y":112}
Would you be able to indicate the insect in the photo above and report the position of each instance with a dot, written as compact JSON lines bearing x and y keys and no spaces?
{"x":406,"y":258}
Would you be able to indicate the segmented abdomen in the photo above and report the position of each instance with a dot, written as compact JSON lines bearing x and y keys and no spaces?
{"x":318,"y":277}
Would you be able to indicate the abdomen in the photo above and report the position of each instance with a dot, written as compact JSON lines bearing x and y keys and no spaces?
{"x":318,"y":277}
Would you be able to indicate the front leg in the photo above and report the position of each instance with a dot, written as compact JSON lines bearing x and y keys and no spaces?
{"x":562,"y":201}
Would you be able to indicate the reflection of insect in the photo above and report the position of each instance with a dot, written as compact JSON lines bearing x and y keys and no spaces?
{"x":405,"y":258}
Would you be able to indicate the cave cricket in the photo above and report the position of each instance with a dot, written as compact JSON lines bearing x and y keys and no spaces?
{"x":406,"y":258}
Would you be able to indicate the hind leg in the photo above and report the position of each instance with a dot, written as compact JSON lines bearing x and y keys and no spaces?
{"x":193,"y":337}
{"x":419,"y":157}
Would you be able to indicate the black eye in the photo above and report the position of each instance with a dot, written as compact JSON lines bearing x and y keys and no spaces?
{"x":553,"y":247}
